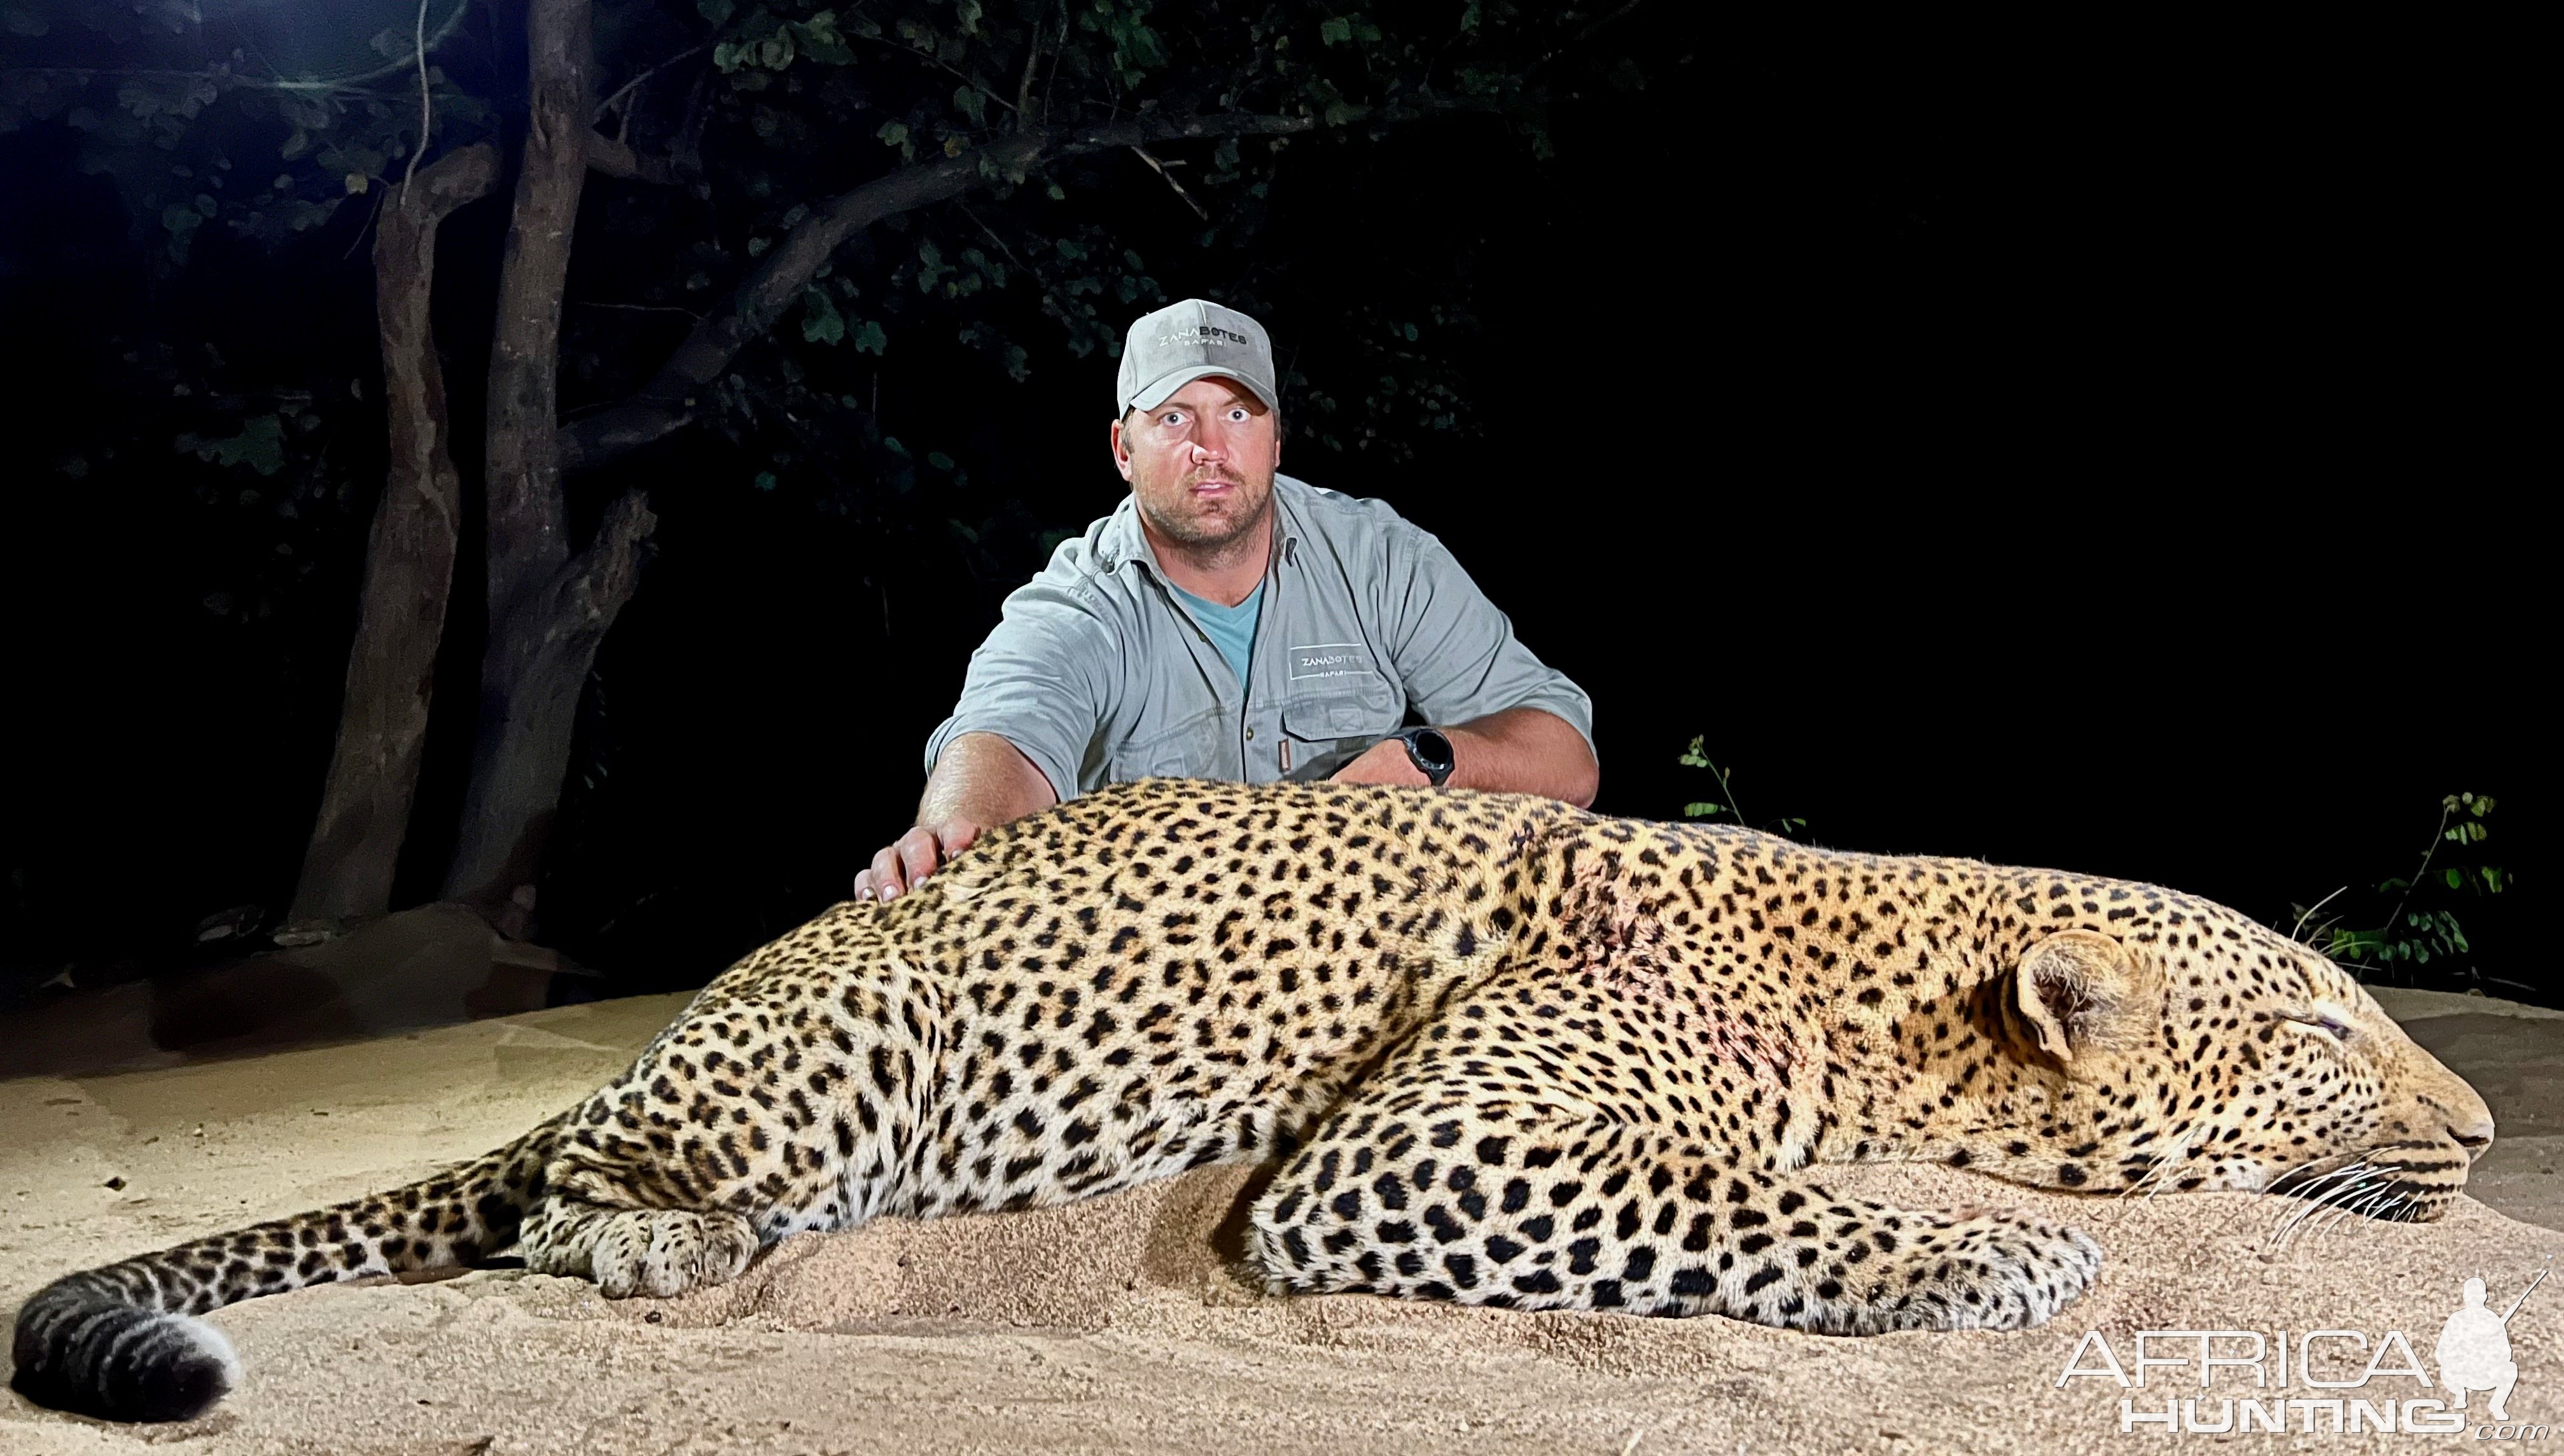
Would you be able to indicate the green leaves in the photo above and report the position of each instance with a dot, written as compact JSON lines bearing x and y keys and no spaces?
{"x":764,"y":41}
{"x":820,"y":321}
{"x":819,"y":36}
{"x":823,"y":323}
{"x":1342,"y":29}
{"x":2417,"y":940}
{"x":1696,"y":756}
{"x":260,"y":445}
{"x":2414,"y":924}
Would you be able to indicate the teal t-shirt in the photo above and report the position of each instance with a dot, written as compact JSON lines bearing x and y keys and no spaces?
{"x":1231,"y":629}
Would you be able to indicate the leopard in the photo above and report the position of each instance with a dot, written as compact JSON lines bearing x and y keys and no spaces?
{"x":1489,"y":1049}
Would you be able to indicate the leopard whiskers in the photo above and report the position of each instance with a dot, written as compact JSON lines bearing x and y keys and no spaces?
{"x":2319,"y":1192}
{"x":2332,"y":1197}
{"x":2259,"y":1201}
{"x":2343,"y":1214}
{"x":2157,"y":1176}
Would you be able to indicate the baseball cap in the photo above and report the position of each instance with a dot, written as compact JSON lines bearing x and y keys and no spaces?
{"x":1190,"y":340}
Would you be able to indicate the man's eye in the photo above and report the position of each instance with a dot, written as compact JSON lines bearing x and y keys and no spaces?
{"x":1171,"y":417}
{"x":1237,"y":417}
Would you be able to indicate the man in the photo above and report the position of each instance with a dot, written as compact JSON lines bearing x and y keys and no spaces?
{"x":1229,"y":622}
{"x":2474,"y":1351}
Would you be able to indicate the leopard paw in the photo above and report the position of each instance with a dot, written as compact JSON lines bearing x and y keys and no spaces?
{"x":1998,"y":1270}
{"x":661,"y":1252}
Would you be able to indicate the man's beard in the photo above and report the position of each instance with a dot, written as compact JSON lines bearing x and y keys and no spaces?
{"x":1214,"y":532}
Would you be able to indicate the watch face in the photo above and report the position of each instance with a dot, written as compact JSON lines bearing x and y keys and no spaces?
{"x":1430,"y":752}
{"x":1435,"y":746}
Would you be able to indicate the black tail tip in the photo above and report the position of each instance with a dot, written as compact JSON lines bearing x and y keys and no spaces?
{"x":128,"y":1364}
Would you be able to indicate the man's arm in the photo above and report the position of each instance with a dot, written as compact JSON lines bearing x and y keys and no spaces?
{"x":979,"y":782}
{"x":1528,"y":751}
{"x":1032,"y":702}
{"x":1515,"y":723}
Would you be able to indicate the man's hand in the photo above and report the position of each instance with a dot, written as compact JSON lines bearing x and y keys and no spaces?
{"x":979,"y":782}
{"x":1382,"y":762}
{"x":912,"y":856}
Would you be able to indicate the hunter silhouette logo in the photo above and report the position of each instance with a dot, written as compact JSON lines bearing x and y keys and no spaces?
{"x":2474,"y":1348}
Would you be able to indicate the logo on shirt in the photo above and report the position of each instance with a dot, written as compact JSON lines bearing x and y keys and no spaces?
{"x":1330,"y":660}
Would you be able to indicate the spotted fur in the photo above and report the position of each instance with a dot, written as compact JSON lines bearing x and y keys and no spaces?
{"x":1500,"y":1052}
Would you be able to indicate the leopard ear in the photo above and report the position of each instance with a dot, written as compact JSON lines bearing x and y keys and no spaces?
{"x":2079,"y":990}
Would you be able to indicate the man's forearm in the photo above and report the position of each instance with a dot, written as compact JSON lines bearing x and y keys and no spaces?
{"x":983,"y":780}
{"x":1528,"y":751}
{"x":979,"y":782}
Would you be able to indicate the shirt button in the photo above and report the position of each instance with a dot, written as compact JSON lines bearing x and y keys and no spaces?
{"x":1250,"y":734}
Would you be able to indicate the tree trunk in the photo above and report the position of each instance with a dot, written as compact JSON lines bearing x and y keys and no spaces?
{"x":409,"y":570}
{"x":548,"y":609}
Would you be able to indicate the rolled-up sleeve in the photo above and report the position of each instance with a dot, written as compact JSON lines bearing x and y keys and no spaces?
{"x":1042,"y":681}
{"x":1456,"y":654}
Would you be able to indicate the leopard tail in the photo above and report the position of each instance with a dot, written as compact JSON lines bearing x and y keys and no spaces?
{"x":124,"y":1342}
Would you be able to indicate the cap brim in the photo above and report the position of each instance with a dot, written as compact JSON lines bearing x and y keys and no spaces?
{"x":1156,"y":391}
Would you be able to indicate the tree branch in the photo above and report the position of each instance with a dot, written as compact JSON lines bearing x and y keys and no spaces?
{"x":667,"y":403}
{"x":938,"y":62}
{"x":613,"y":158}
{"x":1159,"y":169}
{"x":224,"y":76}
{"x":1032,"y":60}
{"x":603,"y":576}
{"x":629,"y":86}
{"x":426,"y":105}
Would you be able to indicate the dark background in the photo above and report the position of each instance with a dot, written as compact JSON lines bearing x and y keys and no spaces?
{"x":2090,"y":452}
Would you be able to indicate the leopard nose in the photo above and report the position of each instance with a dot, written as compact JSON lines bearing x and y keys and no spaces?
{"x":2474,"y":1134}
{"x":2461,"y":1111}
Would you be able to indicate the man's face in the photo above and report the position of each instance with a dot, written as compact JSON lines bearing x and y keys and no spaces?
{"x":1201,"y":463}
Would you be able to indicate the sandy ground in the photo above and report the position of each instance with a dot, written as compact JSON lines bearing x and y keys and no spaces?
{"x":1121,"y":1324}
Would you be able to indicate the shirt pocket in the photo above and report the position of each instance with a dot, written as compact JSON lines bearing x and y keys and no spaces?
{"x":1189,"y":749}
{"x":1326,"y":731}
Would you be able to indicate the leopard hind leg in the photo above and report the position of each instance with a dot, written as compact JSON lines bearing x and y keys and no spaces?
{"x":724,"y":1137}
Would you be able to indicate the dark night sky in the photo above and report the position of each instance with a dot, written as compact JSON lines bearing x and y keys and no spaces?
{"x":2106,"y":464}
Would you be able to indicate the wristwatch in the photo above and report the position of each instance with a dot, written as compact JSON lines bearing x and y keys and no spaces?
{"x":1430,"y":751}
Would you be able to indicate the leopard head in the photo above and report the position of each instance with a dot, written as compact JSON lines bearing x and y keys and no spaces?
{"x":2195,"y":1049}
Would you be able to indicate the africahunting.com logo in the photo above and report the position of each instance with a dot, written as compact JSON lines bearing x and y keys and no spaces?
{"x":2352,"y":1382}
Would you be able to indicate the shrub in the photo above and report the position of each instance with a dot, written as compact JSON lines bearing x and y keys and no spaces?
{"x":2418,"y":935}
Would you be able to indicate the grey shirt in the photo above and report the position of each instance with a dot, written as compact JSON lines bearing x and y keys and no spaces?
{"x":1098,"y":674}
